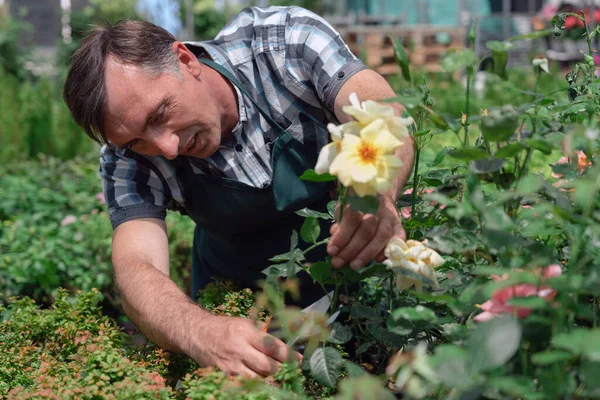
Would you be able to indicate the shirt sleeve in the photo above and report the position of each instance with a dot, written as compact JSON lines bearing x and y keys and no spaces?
{"x":321,"y":56}
{"x":132,"y":188}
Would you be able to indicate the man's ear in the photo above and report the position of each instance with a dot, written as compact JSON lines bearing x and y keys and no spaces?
{"x":187,"y":59}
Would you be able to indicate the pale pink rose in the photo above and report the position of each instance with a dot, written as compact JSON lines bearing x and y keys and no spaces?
{"x":100,"y":198}
{"x":68,"y":220}
{"x":497,"y":304}
{"x":549,"y":11}
{"x":562,"y":160}
{"x":406,"y":212}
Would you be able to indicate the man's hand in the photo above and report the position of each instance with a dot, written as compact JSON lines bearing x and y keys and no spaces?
{"x":172,"y":320}
{"x":239,"y":347}
{"x":360,"y":238}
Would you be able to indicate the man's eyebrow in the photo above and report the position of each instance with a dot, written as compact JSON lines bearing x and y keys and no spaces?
{"x":157,"y":111}
{"x":152,"y":117}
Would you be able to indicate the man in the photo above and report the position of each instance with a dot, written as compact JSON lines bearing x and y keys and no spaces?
{"x":220,"y":130}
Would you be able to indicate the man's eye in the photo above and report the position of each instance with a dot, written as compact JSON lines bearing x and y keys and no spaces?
{"x":132,"y":144}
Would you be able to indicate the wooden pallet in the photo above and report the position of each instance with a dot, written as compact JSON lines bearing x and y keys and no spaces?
{"x":374,"y":46}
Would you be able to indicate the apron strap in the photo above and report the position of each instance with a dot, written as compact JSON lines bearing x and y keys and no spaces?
{"x":227,"y":74}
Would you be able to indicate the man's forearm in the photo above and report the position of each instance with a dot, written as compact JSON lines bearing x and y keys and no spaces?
{"x":159,"y":308}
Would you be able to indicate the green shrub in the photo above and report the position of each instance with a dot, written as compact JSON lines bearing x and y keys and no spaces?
{"x":55,"y":231}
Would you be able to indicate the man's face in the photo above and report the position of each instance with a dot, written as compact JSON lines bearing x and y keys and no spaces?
{"x":164,"y":115}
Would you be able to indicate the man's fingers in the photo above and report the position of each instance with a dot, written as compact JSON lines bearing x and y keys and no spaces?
{"x":343,"y":233}
{"x":362,"y":238}
{"x":399,"y":231}
{"x":274,"y":348}
{"x":262,"y":364}
{"x":373,"y":246}
{"x":246,"y":372}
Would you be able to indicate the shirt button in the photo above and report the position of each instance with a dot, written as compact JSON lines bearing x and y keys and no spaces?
{"x":239,"y":147}
{"x":341,"y":74}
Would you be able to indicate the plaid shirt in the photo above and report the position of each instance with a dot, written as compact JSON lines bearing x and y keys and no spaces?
{"x":286,"y":57}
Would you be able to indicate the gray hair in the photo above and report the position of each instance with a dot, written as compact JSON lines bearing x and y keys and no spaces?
{"x":137,"y":43}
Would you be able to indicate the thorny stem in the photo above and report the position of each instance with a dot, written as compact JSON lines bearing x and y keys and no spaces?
{"x":468,"y":94}
{"x":392,"y":291}
{"x":324,"y":241}
{"x":592,"y":76}
{"x":415,"y":181}
{"x":342,"y":199}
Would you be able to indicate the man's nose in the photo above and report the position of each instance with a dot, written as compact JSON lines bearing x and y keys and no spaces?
{"x":167,"y":144}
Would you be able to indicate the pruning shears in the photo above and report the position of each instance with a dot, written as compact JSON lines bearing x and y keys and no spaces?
{"x":320,"y":306}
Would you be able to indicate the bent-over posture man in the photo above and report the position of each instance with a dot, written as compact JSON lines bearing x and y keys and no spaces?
{"x":221,"y":130}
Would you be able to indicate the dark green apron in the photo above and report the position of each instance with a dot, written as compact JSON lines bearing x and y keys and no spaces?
{"x":240,"y":227}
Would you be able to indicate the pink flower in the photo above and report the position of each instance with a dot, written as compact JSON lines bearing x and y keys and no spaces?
{"x":406,"y":212}
{"x":549,"y":11}
{"x":497,"y":304}
{"x":68,"y":220}
{"x":100,"y":198}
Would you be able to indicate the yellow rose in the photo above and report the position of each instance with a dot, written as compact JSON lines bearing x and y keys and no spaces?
{"x":412,"y":256}
{"x":367,"y":162}
{"x":369,"y":111}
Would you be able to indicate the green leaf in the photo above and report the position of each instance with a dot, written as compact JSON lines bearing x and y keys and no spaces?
{"x":439,"y":121}
{"x":331,"y":208}
{"x":531,"y":35}
{"x":311,"y":176}
{"x":310,"y":230}
{"x":364,"y":347}
{"x":590,"y":371}
{"x":500,"y":56}
{"x":468,"y":154}
{"x":325,"y":365}
{"x":282,"y":270}
{"x":509,"y":151}
{"x":417,"y":313}
{"x":354,"y":370}
{"x":493,"y":343}
{"x":366,"y":204}
{"x":532,"y":302}
{"x":517,"y":386}
{"x":550,"y":357}
{"x":580,"y":341}
{"x":295,"y":254}
{"x":486,"y":165}
{"x":500,"y":123}
{"x":306,"y":212}
{"x":440,"y":157}
{"x":460,"y":60}
{"x":320,"y":271}
{"x":364,"y":387}
{"x":401,"y":58}
{"x":340,"y":334}
{"x":359,"y":311}
{"x":530,"y":184}
{"x":540,"y":144}
{"x":450,"y":364}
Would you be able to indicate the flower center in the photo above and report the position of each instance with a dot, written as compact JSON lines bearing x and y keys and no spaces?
{"x":367,"y":153}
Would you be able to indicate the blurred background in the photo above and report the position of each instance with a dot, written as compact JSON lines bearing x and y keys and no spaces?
{"x":37,"y":38}
{"x":54,"y":228}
